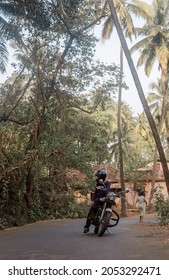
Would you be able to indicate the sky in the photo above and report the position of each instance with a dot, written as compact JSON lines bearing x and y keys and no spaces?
{"x":109,"y":52}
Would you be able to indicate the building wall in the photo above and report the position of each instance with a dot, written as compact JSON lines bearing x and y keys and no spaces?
{"x":160,"y":187}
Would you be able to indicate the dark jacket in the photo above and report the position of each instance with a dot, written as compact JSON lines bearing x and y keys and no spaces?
{"x":99,"y":193}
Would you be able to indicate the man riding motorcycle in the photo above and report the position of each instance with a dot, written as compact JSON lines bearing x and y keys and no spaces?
{"x":101,"y":190}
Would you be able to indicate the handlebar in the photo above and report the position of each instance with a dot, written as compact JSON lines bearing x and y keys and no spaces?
{"x":125,"y":191}
{"x":114,"y":195}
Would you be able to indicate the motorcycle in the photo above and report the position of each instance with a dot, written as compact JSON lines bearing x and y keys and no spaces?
{"x":104,"y":216}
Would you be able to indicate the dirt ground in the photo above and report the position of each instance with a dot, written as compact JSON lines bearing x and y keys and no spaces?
{"x":154,"y":229}
{"x":160,"y":232}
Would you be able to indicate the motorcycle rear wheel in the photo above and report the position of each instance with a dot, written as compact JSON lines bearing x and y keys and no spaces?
{"x":104,"y":223}
{"x":114,"y":218}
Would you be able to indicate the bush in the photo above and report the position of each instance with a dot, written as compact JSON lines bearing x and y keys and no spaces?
{"x":162,"y":207}
{"x":66,"y":207}
{"x":50,"y":201}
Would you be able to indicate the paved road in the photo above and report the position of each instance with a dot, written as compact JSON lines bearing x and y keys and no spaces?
{"x":64,"y":240}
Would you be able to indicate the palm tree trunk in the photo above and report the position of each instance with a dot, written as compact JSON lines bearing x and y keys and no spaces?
{"x":153,"y":181}
{"x":140,"y":93}
{"x":122,"y":183}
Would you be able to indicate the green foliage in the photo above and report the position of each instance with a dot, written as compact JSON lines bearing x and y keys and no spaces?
{"x":58,"y":113}
{"x":161,"y":206}
{"x":50,"y":202}
{"x":66,"y":207}
{"x":3,"y":55}
{"x":154,"y":43}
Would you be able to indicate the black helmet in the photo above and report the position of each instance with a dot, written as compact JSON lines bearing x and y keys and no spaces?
{"x":101,"y":174}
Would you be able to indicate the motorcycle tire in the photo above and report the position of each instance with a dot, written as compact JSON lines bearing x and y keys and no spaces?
{"x":114,"y":218}
{"x":104,"y":223}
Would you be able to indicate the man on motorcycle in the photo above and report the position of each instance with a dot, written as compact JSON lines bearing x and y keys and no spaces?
{"x":102,"y":188}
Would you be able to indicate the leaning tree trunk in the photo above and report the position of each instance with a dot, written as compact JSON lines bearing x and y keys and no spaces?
{"x":140,"y":93}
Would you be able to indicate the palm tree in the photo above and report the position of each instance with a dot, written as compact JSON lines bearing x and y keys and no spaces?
{"x":126,"y":23}
{"x":3,"y":47}
{"x":155,"y":101}
{"x":3,"y":55}
{"x":125,"y":20}
{"x":6,"y":28}
{"x":140,"y":92}
{"x":155,"y":46}
{"x":157,"y":105}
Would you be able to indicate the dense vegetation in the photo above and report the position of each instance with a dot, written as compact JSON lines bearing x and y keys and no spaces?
{"x":58,"y":110}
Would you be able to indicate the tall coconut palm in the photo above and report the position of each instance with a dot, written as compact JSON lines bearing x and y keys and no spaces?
{"x":155,"y":46}
{"x":155,"y":100}
{"x":124,"y":17}
{"x":157,"y":105}
{"x":140,"y":92}
{"x":124,"y":10}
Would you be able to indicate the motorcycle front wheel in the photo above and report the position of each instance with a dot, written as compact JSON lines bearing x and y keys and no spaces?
{"x":96,"y":229}
{"x":104,"y":223}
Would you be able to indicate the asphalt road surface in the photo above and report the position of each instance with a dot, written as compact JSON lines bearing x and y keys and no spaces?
{"x":64,"y":240}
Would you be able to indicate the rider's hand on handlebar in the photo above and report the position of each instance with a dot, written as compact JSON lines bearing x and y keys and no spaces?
{"x":100,"y":182}
{"x":100,"y":187}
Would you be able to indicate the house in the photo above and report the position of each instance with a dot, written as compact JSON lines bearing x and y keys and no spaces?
{"x":77,"y":179}
{"x":145,"y":174}
{"x":159,"y":178}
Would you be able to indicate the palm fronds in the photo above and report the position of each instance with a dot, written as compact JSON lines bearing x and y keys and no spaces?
{"x":3,"y":55}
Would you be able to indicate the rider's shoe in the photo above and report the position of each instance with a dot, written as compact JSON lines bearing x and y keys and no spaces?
{"x":86,"y":230}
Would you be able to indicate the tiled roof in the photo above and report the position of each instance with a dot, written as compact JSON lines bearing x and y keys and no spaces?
{"x":112,"y":173}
